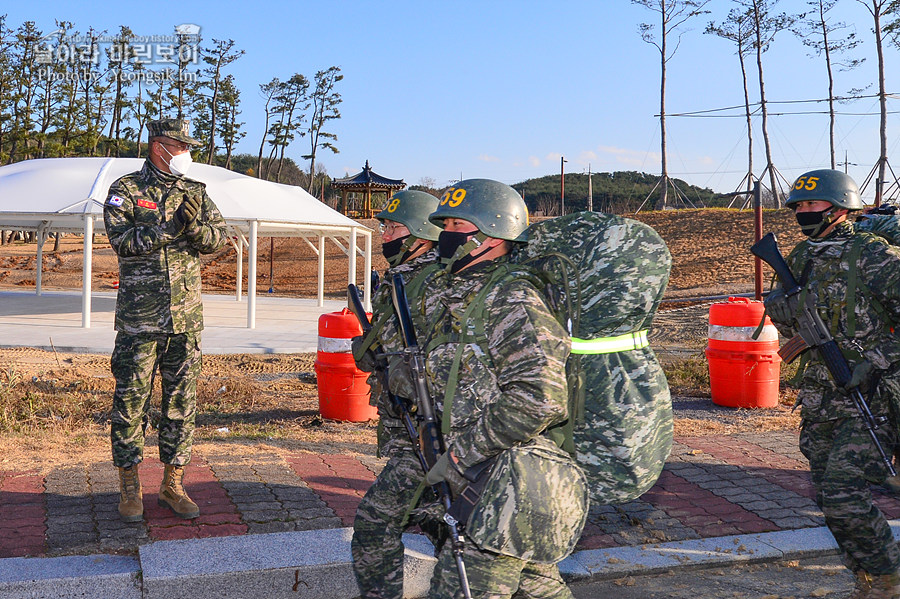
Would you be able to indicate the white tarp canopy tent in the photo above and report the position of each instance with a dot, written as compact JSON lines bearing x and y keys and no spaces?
{"x":67,"y":195}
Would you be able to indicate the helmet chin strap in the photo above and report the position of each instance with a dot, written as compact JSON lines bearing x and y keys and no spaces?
{"x":403,"y":255}
{"x":463,"y":251}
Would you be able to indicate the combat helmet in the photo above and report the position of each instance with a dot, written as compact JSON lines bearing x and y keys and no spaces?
{"x":411,"y":209}
{"x":496,"y":209}
{"x":828,"y":185}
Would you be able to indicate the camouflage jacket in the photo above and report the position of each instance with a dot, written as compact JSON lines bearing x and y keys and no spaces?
{"x":388,"y":336}
{"x":877,"y":300}
{"x":159,"y":266}
{"x":513,"y":391}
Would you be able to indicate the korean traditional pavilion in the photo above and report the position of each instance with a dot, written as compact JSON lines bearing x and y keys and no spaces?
{"x":365,"y":182}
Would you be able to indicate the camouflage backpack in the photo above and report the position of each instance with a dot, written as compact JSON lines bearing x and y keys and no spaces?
{"x":884,"y":224}
{"x":604,"y":276}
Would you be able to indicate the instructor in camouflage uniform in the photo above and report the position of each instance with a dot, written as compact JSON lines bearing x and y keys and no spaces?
{"x":408,"y":241}
{"x":499,"y":384}
{"x":158,"y":222}
{"x":855,"y":277}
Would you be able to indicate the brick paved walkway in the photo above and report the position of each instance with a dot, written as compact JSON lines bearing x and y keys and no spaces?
{"x":711,"y":486}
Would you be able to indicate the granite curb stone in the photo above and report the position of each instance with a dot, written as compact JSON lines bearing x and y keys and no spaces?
{"x":317,"y":564}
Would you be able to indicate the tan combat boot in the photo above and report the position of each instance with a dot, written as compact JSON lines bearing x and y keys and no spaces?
{"x":173,"y":495}
{"x":131,"y":504}
{"x":884,"y":586}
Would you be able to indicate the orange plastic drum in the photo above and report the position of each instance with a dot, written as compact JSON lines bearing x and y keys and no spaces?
{"x":343,"y":390}
{"x":743,"y":372}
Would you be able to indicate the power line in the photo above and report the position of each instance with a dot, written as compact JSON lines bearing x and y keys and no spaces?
{"x":757,"y":105}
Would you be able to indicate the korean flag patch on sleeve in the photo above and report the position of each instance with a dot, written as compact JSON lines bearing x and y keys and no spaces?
{"x":115,"y":201}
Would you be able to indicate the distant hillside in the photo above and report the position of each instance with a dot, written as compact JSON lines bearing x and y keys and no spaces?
{"x":618,"y":193}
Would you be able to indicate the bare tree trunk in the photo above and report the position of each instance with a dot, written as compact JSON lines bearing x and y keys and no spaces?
{"x":765,"y":114}
{"x":827,"y":50}
{"x":882,"y":101}
{"x":664,"y":175}
{"x":749,"y":121}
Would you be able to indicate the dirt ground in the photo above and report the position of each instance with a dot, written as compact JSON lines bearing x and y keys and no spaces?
{"x":54,"y":406}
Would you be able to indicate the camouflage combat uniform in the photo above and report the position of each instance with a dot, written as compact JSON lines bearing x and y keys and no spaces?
{"x":842,"y":457}
{"x":510,"y":388}
{"x":159,"y":314}
{"x":377,"y":547}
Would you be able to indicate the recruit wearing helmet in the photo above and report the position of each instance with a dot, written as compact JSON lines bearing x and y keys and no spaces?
{"x":823,"y":185}
{"x":495,"y":209}
{"x":827,"y":185}
{"x":410,"y":209}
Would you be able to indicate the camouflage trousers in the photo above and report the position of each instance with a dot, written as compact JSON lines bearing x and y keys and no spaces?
{"x":843,"y":461}
{"x":135,"y":360}
{"x":376,"y":547}
{"x":493,"y":576}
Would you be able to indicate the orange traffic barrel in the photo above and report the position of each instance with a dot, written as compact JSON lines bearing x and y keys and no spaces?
{"x":343,"y":390}
{"x":743,"y":372}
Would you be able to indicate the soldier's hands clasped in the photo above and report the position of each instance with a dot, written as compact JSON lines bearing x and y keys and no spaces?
{"x":780,"y":307}
{"x":189,"y":210}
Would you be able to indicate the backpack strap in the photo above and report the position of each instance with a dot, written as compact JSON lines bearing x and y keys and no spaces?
{"x":470,"y":332}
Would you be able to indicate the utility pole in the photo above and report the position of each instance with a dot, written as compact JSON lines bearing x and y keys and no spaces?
{"x":562,"y":186}
{"x":590,"y":190}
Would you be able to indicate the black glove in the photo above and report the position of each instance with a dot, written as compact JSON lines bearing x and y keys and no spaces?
{"x":780,"y":307}
{"x":189,"y":210}
{"x":366,"y":362}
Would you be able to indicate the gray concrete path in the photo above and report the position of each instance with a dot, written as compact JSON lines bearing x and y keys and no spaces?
{"x":53,"y":320}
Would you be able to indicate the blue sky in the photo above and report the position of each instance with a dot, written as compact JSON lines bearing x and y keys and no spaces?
{"x":501,"y":89}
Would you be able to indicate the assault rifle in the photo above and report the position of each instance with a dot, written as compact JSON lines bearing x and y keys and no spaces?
{"x":381,"y":371}
{"x":431,"y":441}
{"x":429,"y":445}
{"x":813,"y":334}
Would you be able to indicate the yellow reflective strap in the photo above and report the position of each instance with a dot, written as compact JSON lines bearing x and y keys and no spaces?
{"x":608,"y":345}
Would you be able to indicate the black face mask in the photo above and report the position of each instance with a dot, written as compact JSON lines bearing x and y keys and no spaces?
{"x":391,"y":248}
{"x":450,"y":241}
{"x":813,"y":223}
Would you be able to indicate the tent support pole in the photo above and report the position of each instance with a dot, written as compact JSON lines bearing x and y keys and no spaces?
{"x":41,"y":238}
{"x":351,"y":274}
{"x":251,"y":276}
{"x":320,"y":291}
{"x":368,"y":274}
{"x":86,"y":272}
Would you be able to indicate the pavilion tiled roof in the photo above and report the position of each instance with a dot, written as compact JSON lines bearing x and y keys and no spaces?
{"x":368,"y":178}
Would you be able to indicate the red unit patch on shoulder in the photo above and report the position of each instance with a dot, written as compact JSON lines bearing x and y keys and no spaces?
{"x":147,"y":204}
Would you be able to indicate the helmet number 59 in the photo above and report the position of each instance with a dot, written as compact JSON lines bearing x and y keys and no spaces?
{"x":808,"y":183}
{"x":453,"y":197}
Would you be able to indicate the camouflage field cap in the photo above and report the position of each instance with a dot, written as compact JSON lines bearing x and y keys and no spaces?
{"x":177,"y":129}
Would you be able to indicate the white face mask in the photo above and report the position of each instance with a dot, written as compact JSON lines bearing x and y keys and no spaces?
{"x":180,"y":163}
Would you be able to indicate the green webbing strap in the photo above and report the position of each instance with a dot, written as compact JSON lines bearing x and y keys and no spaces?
{"x":453,"y":378}
{"x":609,"y":345}
{"x":464,"y":336}
{"x":855,"y":252}
{"x":413,"y":502}
{"x":372,"y":336}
